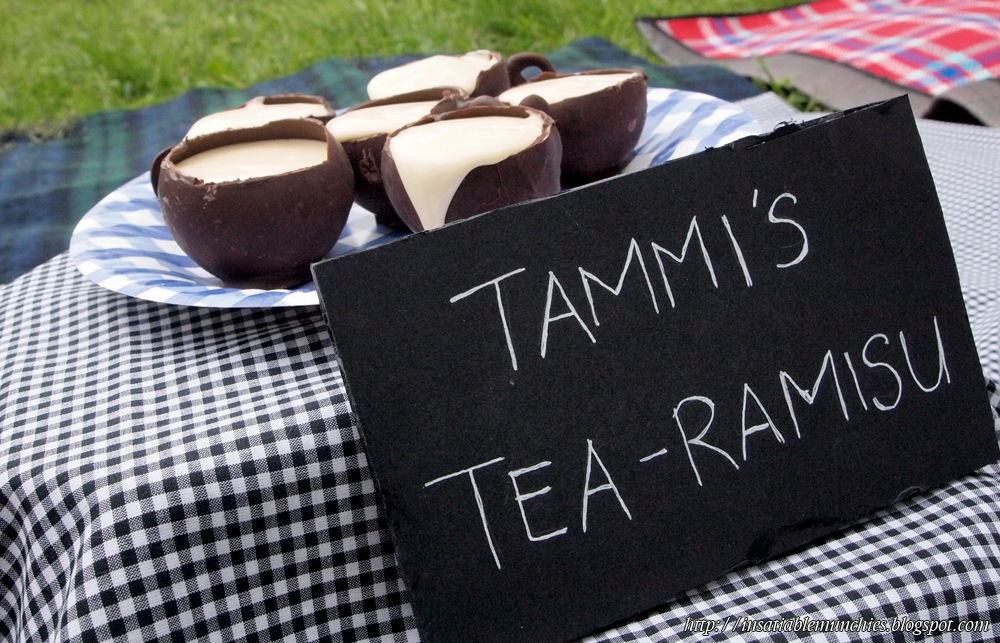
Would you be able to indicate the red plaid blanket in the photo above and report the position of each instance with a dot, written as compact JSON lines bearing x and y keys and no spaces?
{"x":927,"y":45}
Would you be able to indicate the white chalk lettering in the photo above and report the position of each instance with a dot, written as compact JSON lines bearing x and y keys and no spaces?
{"x":699,"y":439}
{"x":503,"y":317}
{"x":652,"y":456}
{"x":738,"y":251}
{"x":942,"y":365}
{"x":521,"y":498}
{"x":659,"y":250}
{"x":748,"y":393}
{"x":810,"y":396}
{"x":857,"y":384}
{"x":870,"y":364}
{"x":609,"y":485}
{"x":479,"y":499}
{"x":548,"y":313}
{"x":587,"y":277}
{"x":805,"y":240}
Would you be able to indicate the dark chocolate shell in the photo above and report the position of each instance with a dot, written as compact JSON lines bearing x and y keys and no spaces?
{"x":494,"y":80}
{"x":529,"y":174}
{"x":277,"y":99}
{"x":262,"y":232}
{"x":599,"y":130}
{"x":365,"y":155}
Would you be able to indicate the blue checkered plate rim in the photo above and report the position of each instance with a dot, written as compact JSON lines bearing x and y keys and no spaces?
{"x":123,"y":245}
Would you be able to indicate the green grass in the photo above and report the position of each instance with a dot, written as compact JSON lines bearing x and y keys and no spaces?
{"x":783,"y":87}
{"x":66,"y":58}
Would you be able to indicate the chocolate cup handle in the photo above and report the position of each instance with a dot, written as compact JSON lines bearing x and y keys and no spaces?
{"x":154,"y":169}
{"x":519,"y":62}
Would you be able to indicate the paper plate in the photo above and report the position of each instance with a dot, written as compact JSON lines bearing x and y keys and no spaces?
{"x":123,"y":245}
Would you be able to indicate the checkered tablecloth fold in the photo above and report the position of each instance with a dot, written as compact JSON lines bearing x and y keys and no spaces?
{"x":177,"y":474}
{"x":174,"y":473}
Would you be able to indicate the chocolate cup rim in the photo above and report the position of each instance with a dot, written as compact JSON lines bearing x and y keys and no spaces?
{"x":546,"y":75}
{"x":279,"y":99}
{"x":189,"y":147}
{"x":416,"y":96}
{"x":478,"y":111}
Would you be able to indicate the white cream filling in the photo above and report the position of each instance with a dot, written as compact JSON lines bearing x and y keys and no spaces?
{"x":254,"y":159}
{"x":434,"y":159}
{"x":436,"y":71}
{"x":381,"y":119}
{"x":254,"y":114}
{"x":558,"y":89}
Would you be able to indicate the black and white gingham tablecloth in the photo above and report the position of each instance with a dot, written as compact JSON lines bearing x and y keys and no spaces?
{"x":177,"y":474}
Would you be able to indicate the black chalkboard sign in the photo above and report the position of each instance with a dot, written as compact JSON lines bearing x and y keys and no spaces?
{"x":578,"y":407}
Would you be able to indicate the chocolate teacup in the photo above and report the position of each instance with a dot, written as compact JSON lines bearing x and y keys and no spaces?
{"x":255,"y":207}
{"x":600,"y":115}
{"x":362,"y":131}
{"x":456,"y":164}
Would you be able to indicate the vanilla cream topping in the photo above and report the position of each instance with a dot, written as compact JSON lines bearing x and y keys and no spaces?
{"x":254,"y":114}
{"x":381,"y":119}
{"x":436,"y":71}
{"x":254,"y":159}
{"x":434,"y":159}
{"x":558,"y":89}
